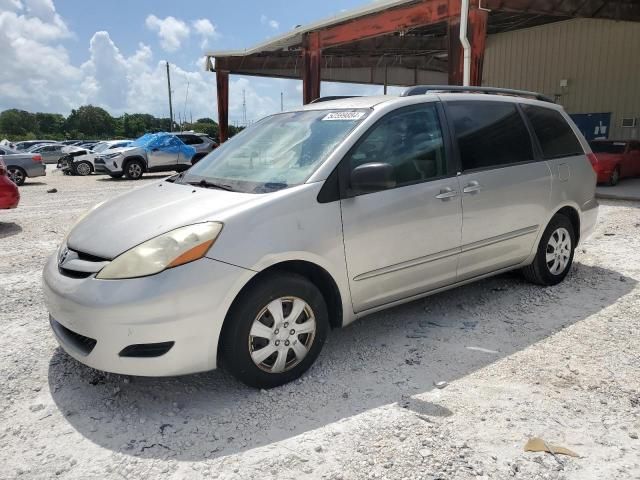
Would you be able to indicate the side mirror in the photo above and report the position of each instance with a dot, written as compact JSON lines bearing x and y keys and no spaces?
{"x":372,"y":177}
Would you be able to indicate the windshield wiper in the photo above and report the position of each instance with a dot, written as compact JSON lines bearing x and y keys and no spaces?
{"x":206,"y":184}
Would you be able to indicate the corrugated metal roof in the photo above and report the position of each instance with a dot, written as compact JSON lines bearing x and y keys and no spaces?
{"x":294,"y":37}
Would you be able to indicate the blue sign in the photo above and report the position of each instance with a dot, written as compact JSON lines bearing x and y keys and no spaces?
{"x":593,"y":125}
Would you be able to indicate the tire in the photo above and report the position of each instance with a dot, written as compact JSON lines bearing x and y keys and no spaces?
{"x":289,"y":354}
{"x":553,"y":269}
{"x":133,"y":169}
{"x":615,"y":177}
{"x":83,"y":168}
{"x":116,"y":175}
{"x":17,"y":175}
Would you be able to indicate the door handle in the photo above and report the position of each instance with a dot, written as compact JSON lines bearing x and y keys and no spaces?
{"x":446,"y":194}
{"x":472,"y":187}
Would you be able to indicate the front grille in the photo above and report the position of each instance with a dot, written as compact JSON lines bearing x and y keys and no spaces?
{"x":146,"y":350}
{"x":74,"y":274}
{"x":82,"y":344}
{"x":87,"y":257}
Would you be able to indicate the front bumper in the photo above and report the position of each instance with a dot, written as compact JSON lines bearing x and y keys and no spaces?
{"x":185,"y":305}
{"x":107,"y":165}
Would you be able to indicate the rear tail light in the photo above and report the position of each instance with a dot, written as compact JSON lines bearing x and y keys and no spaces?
{"x":593,"y":159}
{"x":37,"y":158}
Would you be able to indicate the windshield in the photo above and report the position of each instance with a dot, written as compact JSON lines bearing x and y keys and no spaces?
{"x":608,"y":147}
{"x":278,"y":152}
{"x":143,"y":141}
{"x":100,"y":147}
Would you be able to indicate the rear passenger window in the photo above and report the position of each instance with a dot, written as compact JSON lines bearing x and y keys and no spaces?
{"x":410,"y":139}
{"x":489,"y":134}
{"x":554,"y":134}
{"x":190,"y":139}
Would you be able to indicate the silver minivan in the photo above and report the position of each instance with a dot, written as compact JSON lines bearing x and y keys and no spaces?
{"x":311,"y":219}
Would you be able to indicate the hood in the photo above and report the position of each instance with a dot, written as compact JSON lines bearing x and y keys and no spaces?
{"x":144,"y":213}
{"x":120,"y":150}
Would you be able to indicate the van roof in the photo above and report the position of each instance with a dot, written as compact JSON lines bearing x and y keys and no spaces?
{"x":373,"y":101}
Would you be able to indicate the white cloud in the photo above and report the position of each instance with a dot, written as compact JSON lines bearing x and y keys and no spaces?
{"x":37,"y":73}
{"x":206,"y":30}
{"x":172,"y":32}
{"x":274,"y":24}
{"x":34,"y":64}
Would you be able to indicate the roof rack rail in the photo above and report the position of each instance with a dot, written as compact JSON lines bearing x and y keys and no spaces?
{"x":333,"y":97}
{"x":422,"y":89}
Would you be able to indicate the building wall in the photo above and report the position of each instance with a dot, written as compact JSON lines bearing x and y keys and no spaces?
{"x":600,"y":59}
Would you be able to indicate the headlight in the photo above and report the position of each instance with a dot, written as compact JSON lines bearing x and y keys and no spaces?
{"x":110,"y":155}
{"x":168,"y":250}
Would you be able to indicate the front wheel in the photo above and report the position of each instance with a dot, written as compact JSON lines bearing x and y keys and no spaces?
{"x":554,"y":257}
{"x":615,"y":177}
{"x":83,"y":168}
{"x":133,"y":169}
{"x":17,"y":175}
{"x":275,"y":331}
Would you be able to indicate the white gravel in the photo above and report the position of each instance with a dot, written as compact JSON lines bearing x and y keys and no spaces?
{"x":560,"y":363}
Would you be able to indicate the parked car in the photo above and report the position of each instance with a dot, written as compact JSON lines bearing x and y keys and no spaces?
{"x":19,"y":146}
{"x":50,"y":153}
{"x":310,"y":219}
{"x":200,"y":141}
{"x":616,"y":160}
{"x":9,"y":194}
{"x":21,"y":166}
{"x":80,"y":161}
{"x":153,"y":152}
{"x":87,"y":143}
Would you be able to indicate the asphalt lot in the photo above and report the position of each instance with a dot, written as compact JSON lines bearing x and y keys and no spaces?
{"x":559,"y":363}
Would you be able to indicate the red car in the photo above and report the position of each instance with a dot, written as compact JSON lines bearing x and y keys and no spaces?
{"x":9,"y":195}
{"x":616,"y":160}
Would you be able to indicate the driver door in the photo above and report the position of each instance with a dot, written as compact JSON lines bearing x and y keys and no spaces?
{"x":404,"y":240}
{"x":163,"y":154}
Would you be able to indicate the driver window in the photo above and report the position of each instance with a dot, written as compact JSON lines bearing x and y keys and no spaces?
{"x":410,"y":139}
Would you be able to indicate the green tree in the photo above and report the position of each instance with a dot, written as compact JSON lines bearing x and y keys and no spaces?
{"x":18,"y":122}
{"x":206,"y":120}
{"x":49,"y":123}
{"x":91,"y":121}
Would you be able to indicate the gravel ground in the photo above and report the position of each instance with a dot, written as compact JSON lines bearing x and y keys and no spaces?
{"x":559,"y":363}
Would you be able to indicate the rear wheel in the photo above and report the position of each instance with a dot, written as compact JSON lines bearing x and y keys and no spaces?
{"x":615,"y":177}
{"x":554,"y":257}
{"x":133,"y":169}
{"x":17,"y":175}
{"x":83,"y":168}
{"x":275,"y":331}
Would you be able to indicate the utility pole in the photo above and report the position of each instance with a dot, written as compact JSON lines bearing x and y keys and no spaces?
{"x":244,"y":107}
{"x":170,"y":103}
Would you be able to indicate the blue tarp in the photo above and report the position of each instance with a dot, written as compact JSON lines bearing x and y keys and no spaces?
{"x":165,"y":142}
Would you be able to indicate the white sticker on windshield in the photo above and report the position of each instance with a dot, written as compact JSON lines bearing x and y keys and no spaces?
{"x":343,"y":116}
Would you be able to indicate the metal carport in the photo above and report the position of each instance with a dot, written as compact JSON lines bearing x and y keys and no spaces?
{"x":397,"y":42}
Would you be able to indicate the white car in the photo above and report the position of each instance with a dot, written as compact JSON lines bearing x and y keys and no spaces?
{"x":80,"y":161}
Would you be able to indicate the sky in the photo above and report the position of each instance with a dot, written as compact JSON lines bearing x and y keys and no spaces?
{"x":56,"y":55}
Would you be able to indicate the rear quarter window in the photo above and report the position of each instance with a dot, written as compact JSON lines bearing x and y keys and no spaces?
{"x":555,"y":136}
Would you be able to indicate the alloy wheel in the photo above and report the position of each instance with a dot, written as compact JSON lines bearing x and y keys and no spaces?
{"x":282,"y":334}
{"x":558,"y":251}
{"x":83,"y":169}
{"x":17,"y":176}
{"x":134,"y":170}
